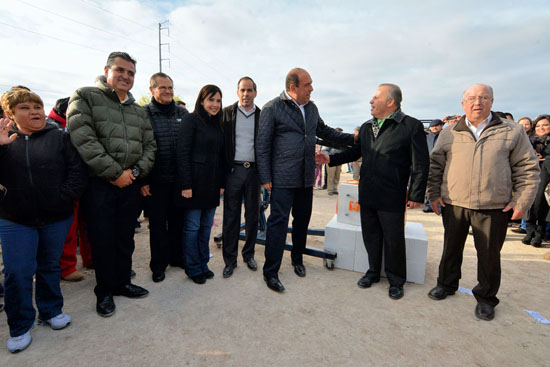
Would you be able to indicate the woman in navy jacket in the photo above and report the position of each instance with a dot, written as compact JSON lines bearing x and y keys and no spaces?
{"x":200,"y":176}
{"x":43,"y":174}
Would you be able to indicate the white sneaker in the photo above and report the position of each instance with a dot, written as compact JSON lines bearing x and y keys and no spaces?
{"x":58,"y":322}
{"x":18,"y":343}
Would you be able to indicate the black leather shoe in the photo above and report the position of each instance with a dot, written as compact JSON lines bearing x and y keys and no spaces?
{"x":158,"y":277}
{"x":251,"y":263}
{"x":428,"y":210}
{"x":209,"y":274}
{"x":439,"y":293}
{"x":536,"y":241}
{"x":527,"y":239}
{"x":519,"y":230}
{"x":131,"y":291}
{"x":485,"y":311}
{"x":396,"y":291}
{"x":105,"y":306}
{"x":228,"y":271}
{"x":199,"y":279}
{"x":274,"y":284}
{"x":300,"y":270}
{"x":367,"y":280}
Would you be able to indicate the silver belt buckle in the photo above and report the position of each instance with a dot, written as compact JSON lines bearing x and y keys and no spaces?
{"x":246,"y":164}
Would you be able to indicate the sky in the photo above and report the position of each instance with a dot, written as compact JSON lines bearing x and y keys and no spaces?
{"x":433,"y":50}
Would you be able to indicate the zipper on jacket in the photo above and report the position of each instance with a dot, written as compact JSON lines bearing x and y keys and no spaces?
{"x":234,"y":118}
{"x":125,"y":137}
{"x":28,"y":158}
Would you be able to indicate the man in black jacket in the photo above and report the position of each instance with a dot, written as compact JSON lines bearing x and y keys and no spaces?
{"x":240,"y":122}
{"x":165,"y":222}
{"x":289,"y":125}
{"x":393,"y":147}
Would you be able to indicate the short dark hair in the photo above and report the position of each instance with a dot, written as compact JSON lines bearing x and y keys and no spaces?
{"x":153,"y":79}
{"x":247,"y":78}
{"x":293,"y":77}
{"x":509,"y":114}
{"x":541,"y":117}
{"x":122,"y":55}
{"x":394,"y":93}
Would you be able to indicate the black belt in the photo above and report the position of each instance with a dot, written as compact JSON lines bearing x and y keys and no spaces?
{"x":245,"y":164}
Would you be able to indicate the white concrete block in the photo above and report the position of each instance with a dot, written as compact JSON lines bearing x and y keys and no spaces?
{"x":342,"y":239}
{"x":353,"y":256}
{"x":348,"y":203}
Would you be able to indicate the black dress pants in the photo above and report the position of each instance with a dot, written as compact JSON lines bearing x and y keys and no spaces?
{"x":489,"y":227}
{"x":282,"y":201}
{"x":385,"y":231}
{"x":240,"y":182}
{"x":111,"y":214}
{"x":165,"y":227}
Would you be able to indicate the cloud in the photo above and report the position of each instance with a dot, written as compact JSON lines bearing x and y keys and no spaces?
{"x":432,"y":49}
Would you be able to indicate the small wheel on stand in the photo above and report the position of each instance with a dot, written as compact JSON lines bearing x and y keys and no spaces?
{"x":329,"y":264}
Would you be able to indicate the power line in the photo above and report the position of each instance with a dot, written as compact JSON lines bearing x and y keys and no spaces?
{"x":52,"y":37}
{"x":196,"y":56}
{"x":84,"y":24}
{"x":115,"y":14}
{"x":63,"y":40}
{"x":9,"y":86}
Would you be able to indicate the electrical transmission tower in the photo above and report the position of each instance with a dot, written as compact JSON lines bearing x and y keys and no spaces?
{"x":161,"y":28}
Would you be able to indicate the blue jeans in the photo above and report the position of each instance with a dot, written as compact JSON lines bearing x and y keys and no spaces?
{"x":27,"y":251}
{"x":196,"y":232}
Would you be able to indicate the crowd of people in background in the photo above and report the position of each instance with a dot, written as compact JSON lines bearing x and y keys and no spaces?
{"x":80,"y":177}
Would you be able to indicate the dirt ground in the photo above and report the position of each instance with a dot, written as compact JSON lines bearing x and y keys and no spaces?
{"x":322,"y":319}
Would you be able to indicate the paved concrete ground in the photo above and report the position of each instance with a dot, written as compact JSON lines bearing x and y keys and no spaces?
{"x":323,"y":319}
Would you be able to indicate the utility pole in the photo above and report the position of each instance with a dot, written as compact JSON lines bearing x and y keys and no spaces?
{"x":162,"y":44}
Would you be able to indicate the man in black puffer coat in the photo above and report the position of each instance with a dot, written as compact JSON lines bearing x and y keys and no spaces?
{"x":165,"y":223}
{"x":285,"y":150}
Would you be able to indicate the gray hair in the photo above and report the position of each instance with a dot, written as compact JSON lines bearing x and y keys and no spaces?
{"x":122,"y":55}
{"x":488,"y":87}
{"x":394,"y":93}
{"x":153,"y":79}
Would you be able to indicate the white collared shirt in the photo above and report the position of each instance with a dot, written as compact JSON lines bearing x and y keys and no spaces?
{"x":479,"y":129}
{"x":301,"y":106}
{"x":245,"y":112}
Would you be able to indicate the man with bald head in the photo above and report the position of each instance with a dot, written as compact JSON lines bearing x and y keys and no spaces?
{"x":395,"y":156}
{"x":285,"y":151}
{"x":483,"y":172}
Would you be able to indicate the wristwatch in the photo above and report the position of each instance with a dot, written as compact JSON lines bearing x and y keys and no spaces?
{"x":135,"y":172}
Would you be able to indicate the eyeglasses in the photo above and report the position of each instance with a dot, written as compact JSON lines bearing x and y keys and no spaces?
{"x":472,"y":99}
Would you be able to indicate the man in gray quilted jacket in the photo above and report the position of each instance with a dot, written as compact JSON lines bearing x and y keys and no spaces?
{"x":285,"y":149}
{"x":114,"y":137}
